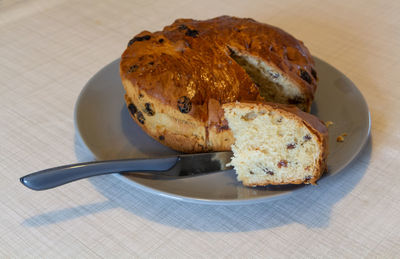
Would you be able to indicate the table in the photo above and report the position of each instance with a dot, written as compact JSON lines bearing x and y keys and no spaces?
{"x":48,"y":51}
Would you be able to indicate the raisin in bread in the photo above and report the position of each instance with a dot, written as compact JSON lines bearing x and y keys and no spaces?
{"x":177,"y":79}
{"x":276,"y":144}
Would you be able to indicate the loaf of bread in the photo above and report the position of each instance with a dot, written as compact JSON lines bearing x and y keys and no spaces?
{"x":177,"y":79}
{"x":276,"y":144}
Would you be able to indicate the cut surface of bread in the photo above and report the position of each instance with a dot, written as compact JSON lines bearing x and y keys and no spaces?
{"x":177,"y":79}
{"x":276,"y":144}
{"x":273,"y":85}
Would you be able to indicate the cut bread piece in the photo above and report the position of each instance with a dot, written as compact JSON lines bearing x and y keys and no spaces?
{"x":276,"y":144}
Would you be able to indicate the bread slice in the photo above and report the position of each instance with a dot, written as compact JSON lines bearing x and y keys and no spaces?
{"x":276,"y":144}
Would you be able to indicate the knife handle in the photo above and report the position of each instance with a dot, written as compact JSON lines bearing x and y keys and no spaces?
{"x":53,"y":177}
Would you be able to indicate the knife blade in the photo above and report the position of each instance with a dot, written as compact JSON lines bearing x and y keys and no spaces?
{"x":169,"y":166}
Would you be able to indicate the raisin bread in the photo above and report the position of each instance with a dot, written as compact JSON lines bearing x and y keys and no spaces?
{"x":276,"y":144}
{"x":177,"y":79}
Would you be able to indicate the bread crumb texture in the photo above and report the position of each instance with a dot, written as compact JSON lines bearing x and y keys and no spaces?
{"x":272,"y":146}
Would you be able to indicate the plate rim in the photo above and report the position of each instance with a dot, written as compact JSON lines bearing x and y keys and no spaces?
{"x":245,"y":201}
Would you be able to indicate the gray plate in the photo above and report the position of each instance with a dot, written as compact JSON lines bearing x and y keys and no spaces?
{"x":105,"y":127}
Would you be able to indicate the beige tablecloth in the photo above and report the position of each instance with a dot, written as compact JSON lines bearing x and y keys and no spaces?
{"x":50,"y":49}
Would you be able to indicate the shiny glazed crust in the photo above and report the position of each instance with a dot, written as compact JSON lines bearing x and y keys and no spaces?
{"x":177,"y":79}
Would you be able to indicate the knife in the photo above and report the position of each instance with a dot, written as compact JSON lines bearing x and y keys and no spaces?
{"x":170,"y":166}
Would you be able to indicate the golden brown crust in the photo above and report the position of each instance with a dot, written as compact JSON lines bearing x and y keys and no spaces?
{"x":188,"y":64}
{"x":190,"y":138}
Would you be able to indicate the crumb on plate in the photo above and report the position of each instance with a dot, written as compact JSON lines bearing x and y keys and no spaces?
{"x":328,"y":123}
{"x":341,"y":137}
